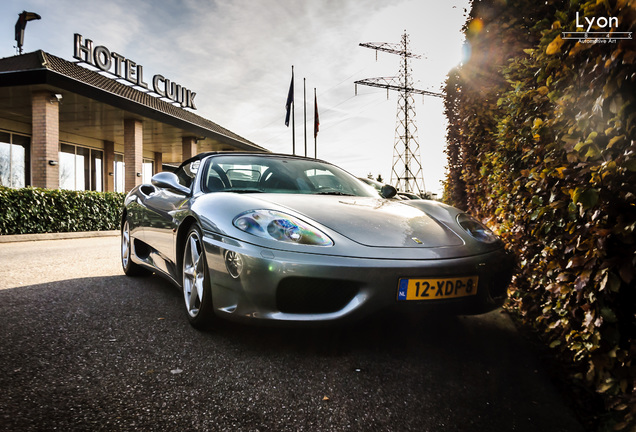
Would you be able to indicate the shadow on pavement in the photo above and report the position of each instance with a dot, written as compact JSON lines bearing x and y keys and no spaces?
{"x":117,"y":353}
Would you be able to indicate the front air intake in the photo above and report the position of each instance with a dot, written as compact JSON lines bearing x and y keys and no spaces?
{"x":314,"y":295}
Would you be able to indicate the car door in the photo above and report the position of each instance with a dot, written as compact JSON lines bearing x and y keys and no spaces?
{"x":159,"y":208}
{"x":161,"y":205}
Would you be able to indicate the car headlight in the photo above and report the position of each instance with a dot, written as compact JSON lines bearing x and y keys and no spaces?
{"x":271,"y":224}
{"x":476,"y":229}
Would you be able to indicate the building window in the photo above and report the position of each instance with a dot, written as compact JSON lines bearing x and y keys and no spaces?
{"x":81,"y":168}
{"x":147,"y":170}
{"x":14,"y":160}
{"x":119,"y":172}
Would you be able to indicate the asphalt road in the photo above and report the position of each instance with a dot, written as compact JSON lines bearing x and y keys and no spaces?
{"x":84,"y":347}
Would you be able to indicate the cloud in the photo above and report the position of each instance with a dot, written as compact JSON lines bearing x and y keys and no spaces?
{"x":237,"y":56}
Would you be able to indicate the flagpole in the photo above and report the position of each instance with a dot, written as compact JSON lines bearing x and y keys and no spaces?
{"x":305,"y":111}
{"x":316,"y":122}
{"x":293,"y":118}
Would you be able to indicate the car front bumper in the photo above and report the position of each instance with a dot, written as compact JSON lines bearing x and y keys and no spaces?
{"x":282,"y":286}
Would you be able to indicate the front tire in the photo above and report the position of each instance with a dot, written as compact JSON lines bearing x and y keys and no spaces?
{"x":130,"y":268}
{"x":196,"y":280}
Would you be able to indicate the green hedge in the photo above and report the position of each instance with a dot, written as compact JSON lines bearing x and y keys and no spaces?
{"x":542,"y":147}
{"x":33,"y":210}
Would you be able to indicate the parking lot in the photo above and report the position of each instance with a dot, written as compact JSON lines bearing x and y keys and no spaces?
{"x":86,"y":348}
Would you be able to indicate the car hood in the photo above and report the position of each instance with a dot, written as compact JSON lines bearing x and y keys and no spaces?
{"x":370,"y":221}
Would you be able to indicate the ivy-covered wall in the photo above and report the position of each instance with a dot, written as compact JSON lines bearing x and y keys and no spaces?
{"x":542,"y":147}
{"x":33,"y":210}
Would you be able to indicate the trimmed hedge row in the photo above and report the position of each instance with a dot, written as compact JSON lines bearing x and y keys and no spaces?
{"x":542,"y":147}
{"x":34,"y":210}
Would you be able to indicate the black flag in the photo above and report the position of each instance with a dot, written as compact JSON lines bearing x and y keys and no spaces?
{"x":290,"y":99}
{"x":316,"y":119}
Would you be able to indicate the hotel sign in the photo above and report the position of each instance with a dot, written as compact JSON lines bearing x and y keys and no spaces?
{"x":122,"y":67}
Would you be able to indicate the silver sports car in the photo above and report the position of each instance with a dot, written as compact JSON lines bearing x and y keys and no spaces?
{"x":278,"y":238}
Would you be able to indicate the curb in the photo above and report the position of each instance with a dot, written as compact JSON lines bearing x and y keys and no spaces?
{"x":56,"y":236}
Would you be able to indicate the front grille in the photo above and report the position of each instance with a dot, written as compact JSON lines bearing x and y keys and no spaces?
{"x":314,"y":295}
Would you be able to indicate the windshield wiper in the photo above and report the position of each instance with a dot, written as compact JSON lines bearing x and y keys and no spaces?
{"x":245,"y":190}
{"x":334,"y":192}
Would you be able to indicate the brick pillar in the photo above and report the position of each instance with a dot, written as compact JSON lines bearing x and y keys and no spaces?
{"x":189,"y":147}
{"x":133,"y":152}
{"x":45,"y":145}
{"x":158,"y":162}
{"x":109,"y":166}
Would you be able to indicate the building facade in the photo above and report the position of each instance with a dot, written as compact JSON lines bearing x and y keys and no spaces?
{"x":66,"y":126}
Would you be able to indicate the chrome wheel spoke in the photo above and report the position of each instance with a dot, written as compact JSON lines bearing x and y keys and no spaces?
{"x":192,"y":305}
{"x":194,"y":253}
{"x":198,"y":283}
{"x":188,"y":271}
{"x":200,"y":276}
{"x":125,"y":244}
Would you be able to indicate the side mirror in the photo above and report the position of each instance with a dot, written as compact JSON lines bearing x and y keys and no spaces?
{"x":388,"y":191}
{"x":169,"y":180}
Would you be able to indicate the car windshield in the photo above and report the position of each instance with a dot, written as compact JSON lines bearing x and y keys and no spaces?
{"x":279,"y":174}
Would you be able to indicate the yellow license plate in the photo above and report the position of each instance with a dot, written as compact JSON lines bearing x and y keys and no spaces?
{"x":437,"y":288}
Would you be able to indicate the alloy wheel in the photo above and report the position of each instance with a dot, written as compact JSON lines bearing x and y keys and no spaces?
{"x":193,"y":274}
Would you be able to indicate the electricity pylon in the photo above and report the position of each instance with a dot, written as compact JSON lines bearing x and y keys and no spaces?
{"x":406,"y":150}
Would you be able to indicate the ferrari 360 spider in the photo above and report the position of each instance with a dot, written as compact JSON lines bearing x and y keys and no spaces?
{"x":277,"y":238}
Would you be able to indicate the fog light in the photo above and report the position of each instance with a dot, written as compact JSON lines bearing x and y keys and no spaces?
{"x":233,"y":263}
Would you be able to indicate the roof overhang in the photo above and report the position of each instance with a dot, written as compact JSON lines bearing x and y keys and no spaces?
{"x":95,"y":106}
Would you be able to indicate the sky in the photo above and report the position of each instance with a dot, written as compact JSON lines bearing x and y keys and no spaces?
{"x":237,"y":55}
